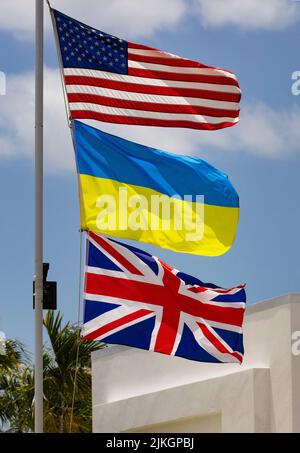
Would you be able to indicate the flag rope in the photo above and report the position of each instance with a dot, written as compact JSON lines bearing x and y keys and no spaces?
{"x":78,"y":326}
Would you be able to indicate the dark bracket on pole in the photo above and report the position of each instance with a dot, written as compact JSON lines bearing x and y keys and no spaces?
{"x":49,"y":291}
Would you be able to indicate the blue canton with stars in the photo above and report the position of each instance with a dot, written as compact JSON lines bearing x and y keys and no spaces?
{"x":84,"y":47}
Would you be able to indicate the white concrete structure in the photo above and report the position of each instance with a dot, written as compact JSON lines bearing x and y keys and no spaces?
{"x":140,"y":391}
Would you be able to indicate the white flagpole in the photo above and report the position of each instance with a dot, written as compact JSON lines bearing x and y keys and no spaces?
{"x":38,"y":312}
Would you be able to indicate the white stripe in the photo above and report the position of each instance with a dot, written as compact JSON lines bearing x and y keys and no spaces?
{"x":150,"y":115}
{"x":152,"y":53}
{"x":178,"y":333}
{"x":180,"y":69}
{"x":206,"y":299}
{"x":207,"y":345}
{"x":102,"y":250}
{"x":151,"y":82}
{"x":108,"y":317}
{"x":221,"y":325}
{"x":123,"y":275}
{"x":125,"y":326}
{"x":151,"y":98}
{"x":120,"y":301}
{"x":101,"y":321}
{"x":137,"y":263}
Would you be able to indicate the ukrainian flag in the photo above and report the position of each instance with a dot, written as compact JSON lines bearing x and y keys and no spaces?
{"x":131,"y":191}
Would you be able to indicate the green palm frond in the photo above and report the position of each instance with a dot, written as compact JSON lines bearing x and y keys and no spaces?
{"x":60,"y":368}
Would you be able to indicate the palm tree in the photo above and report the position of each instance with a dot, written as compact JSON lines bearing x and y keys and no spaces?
{"x":67,"y":384}
{"x":67,"y":381}
{"x":15,"y":401}
{"x":15,"y":354}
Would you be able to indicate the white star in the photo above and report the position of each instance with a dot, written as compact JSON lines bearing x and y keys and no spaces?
{"x":79,"y":59}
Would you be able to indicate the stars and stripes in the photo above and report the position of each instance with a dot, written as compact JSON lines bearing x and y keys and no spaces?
{"x":135,"y":299}
{"x":112,"y":80}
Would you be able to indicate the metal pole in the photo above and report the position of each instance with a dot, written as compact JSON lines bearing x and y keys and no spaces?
{"x":38,"y":312}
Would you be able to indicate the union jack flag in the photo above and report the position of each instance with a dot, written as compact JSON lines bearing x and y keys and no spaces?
{"x":135,"y":299}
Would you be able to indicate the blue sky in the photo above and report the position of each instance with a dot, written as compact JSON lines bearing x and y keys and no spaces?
{"x":260,"y":155}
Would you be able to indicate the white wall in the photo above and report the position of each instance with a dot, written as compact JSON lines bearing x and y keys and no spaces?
{"x":140,"y":391}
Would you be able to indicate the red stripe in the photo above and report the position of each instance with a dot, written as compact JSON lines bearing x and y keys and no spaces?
{"x":200,"y":289}
{"x":86,"y":114}
{"x":219,"y":80}
{"x":151,"y":89}
{"x":115,"y":254}
{"x":169,"y":61}
{"x":162,"y":296}
{"x":114,"y":324}
{"x":133,"y":45}
{"x":151,"y":107}
{"x":218,"y":345}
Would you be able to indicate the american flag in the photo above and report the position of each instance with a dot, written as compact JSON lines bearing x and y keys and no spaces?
{"x":135,"y":299}
{"x":110,"y":79}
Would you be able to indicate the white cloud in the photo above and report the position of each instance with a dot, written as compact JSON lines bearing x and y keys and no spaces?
{"x":133,"y":19}
{"x":263,"y":131}
{"x":17,"y":121}
{"x":127,"y":18}
{"x":249,"y":14}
